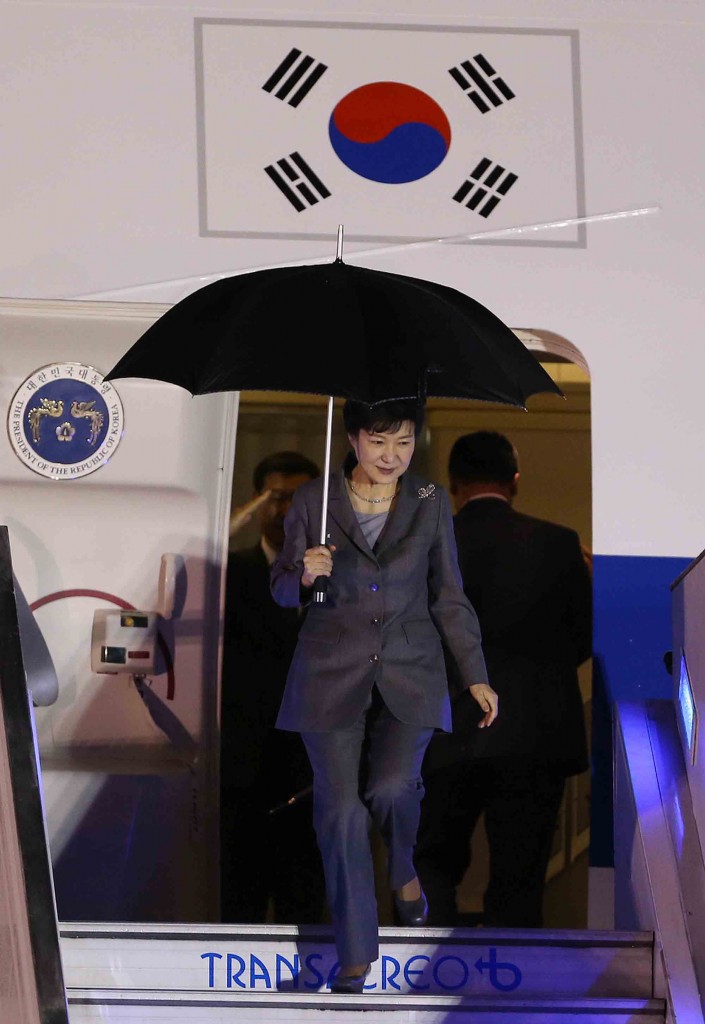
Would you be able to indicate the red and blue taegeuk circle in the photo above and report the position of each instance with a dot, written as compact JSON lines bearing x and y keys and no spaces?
{"x":389,"y":132}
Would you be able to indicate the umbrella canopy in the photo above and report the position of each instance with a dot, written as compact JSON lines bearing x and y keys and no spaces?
{"x":335,"y":329}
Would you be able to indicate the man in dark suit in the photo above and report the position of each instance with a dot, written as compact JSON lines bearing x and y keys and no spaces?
{"x":261,"y":768}
{"x":530,"y":585}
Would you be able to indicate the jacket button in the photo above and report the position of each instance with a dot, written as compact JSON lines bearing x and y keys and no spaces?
{"x":375,"y":622}
{"x":374,"y":657}
{"x":374,"y":587}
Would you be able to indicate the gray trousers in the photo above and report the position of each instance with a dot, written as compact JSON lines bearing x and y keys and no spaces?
{"x":370,"y":771}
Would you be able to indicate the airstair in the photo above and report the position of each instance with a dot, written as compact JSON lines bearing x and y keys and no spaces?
{"x":253,"y":974}
{"x":88,"y":973}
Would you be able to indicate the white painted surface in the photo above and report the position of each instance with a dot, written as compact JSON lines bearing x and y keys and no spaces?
{"x":238,"y":959}
{"x":95,"y":1007}
{"x":102,"y":194}
{"x":165,"y":490}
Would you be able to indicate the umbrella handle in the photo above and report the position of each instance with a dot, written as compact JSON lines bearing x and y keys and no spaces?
{"x":320,"y":589}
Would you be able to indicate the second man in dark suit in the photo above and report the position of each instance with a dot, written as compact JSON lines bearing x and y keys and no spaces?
{"x":530,"y":586}
{"x":261,"y":767}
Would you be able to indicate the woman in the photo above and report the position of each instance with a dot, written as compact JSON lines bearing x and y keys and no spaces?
{"x":367,"y":684}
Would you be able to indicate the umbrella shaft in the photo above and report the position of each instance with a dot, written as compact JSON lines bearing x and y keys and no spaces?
{"x":326,"y":470}
{"x":321,"y":583}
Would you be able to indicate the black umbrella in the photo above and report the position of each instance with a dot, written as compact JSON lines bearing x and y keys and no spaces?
{"x":337,"y":330}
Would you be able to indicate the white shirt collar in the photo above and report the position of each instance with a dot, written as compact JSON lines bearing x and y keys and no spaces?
{"x":489,"y":494}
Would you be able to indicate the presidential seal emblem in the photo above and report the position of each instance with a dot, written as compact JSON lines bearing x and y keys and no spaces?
{"x":65,"y":421}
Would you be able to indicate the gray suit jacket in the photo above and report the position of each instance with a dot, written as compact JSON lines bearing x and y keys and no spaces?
{"x":388,"y":616}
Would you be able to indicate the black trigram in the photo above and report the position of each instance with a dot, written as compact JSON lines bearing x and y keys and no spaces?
{"x":295,"y":179}
{"x":479,"y":80}
{"x":295,"y":70}
{"x":485,"y":187}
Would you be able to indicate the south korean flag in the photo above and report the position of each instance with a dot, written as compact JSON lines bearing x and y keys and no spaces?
{"x":397,"y":133}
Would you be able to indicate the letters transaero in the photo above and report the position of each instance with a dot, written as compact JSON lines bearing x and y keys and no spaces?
{"x":312,"y":972}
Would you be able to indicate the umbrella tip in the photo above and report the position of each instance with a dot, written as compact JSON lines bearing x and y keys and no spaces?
{"x":339,"y":247}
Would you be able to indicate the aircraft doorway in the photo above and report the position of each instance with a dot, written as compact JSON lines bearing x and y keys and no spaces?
{"x":553,"y":442}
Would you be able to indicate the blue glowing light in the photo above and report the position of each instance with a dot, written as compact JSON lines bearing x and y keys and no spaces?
{"x":686,"y":708}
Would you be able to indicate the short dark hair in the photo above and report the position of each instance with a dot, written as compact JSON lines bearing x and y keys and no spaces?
{"x":485,"y":456}
{"x":287,"y":463}
{"x":382,"y":416}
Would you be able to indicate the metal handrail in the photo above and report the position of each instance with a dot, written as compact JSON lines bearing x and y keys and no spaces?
{"x":38,"y":990}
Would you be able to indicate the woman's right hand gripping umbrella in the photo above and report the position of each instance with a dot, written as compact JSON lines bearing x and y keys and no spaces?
{"x":318,"y":561}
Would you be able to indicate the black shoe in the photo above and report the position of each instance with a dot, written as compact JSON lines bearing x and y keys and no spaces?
{"x":411,"y":913}
{"x":350,"y":984}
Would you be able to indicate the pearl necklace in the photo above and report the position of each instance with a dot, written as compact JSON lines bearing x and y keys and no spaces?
{"x":372,"y":501}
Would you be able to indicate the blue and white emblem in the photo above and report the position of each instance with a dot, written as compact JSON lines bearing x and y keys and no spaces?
{"x":65,"y":421}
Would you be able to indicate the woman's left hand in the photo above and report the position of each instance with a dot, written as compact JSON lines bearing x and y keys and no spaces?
{"x":488,"y":701}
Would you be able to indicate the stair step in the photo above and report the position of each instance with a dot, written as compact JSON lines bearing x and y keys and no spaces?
{"x":88,"y":1006}
{"x":235,"y":960}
